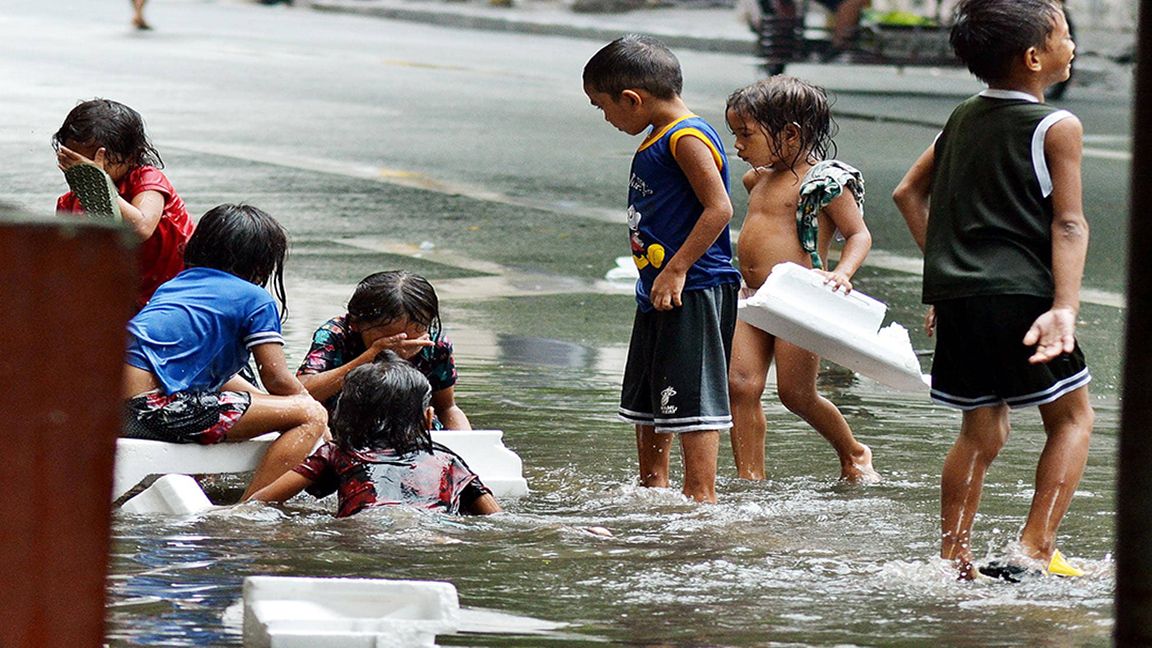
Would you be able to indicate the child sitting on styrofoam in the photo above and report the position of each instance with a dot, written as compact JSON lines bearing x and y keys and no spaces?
{"x":383,"y":453}
{"x":797,"y":200}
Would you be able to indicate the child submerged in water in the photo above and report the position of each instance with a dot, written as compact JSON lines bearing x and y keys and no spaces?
{"x":797,"y":200}
{"x":382,"y":453}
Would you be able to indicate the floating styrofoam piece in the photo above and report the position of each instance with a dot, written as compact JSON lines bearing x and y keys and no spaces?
{"x":484,"y":451}
{"x":794,"y":304}
{"x":303,"y":612}
{"x":170,"y":495}
{"x":136,"y":459}
{"x":625,"y":270}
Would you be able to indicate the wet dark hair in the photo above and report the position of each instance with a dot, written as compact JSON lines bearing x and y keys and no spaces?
{"x":988,"y":34}
{"x":382,"y":405}
{"x":385,"y":297}
{"x":113,"y":126}
{"x":634,"y":62}
{"x":779,"y":101}
{"x":242,"y":240}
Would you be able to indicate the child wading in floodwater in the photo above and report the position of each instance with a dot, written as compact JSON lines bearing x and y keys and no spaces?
{"x":382,"y":453}
{"x":675,"y":381}
{"x":995,"y":203}
{"x":797,"y":200}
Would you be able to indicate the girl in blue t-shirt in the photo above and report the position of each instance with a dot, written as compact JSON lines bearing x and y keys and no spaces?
{"x":198,"y":331}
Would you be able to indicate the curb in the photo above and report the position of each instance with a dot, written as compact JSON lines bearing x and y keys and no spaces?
{"x":478,"y":18}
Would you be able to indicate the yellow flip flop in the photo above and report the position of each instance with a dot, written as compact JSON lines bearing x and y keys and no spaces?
{"x":1060,"y":567}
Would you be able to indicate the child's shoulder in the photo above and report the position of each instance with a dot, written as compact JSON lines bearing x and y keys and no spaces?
{"x":147,"y":178}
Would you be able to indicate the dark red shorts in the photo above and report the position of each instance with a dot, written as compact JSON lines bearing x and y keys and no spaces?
{"x":184,"y":417}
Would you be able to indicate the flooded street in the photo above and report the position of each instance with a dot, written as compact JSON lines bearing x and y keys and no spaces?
{"x":797,"y":560}
{"x":474,"y":159}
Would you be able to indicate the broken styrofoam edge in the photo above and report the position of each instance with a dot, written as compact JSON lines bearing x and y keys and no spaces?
{"x":795,"y":305}
{"x":805,"y":291}
{"x":170,"y":495}
{"x":292,"y":612}
{"x":137,"y":459}
{"x":484,"y":451}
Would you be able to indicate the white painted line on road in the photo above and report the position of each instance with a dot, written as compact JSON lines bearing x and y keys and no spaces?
{"x":398,"y":177}
{"x":1106,"y":154}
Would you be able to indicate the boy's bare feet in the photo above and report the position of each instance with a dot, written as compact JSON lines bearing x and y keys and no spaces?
{"x":859,"y":470}
{"x":141,"y":24}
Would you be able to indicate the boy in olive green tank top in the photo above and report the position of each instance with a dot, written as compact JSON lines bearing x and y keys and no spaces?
{"x":995,"y":205}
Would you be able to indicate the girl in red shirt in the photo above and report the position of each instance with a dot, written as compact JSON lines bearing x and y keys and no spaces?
{"x":111,"y":136}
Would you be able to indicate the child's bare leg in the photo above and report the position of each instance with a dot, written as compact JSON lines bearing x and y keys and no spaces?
{"x":138,"y":15}
{"x":1068,"y":424}
{"x":847,"y":17}
{"x":796,"y":371}
{"x":747,"y":375}
{"x":983,"y":432}
{"x":653,"y":448}
{"x":700,"y":450}
{"x":301,"y":422}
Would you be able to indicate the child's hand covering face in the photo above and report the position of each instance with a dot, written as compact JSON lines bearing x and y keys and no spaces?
{"x":401,"y":336}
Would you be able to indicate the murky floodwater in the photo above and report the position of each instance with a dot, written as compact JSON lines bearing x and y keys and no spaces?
{"x":797,"y":560}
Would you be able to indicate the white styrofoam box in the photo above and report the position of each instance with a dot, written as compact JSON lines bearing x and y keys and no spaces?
{"x":794,"y":304}
{"x":170,"y":495}
{"x":137,"y":459}
{"x":299,"y":612}
{"x":483,"y":450}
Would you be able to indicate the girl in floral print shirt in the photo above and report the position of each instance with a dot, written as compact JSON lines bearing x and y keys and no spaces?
{"x":396,"y":311}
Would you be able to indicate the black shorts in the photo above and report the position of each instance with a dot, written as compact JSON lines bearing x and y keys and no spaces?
{"x":676,"y":378}
{"x":981,"y":360}
{"x":184,"y":417}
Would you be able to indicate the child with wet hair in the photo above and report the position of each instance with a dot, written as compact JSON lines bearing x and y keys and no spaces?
{"x":110,"y":135}
{"x":995,"y":204}
{"x":675,"y":386}
{"x":798,"y":199}
{"x":394,"y":310}
{"x":382,"y":453}
{"x":187,"y":345}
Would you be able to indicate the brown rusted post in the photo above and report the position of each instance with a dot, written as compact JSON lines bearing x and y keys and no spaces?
{"x":66,"y":292}
{"x":1134,"y":479}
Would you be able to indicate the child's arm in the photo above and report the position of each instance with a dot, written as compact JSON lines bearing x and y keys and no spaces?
{"x":326,"y":384}
{"x":142,"y":214}
{"x":1054,"y":332}
{"x":274,"y":372}
{"x":284,"y":488}
{"x":484,"y":505}
{"x":449,"y":413}
{"x":695,"y":159}
{"x":912,"y":194}
{"x":912,"y":197}
{"x":848,"y":218}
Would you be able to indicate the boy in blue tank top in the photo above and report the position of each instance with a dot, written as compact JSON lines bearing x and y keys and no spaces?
{"x":676,"y":378}
{"x":995,"y":204}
